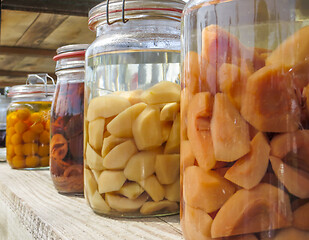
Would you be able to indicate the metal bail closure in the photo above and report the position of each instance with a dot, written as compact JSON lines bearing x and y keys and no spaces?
{"x":123,"y":13}
{"x":43,"y":77}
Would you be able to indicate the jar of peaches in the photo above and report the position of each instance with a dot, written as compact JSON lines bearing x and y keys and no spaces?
{"x":28,"y":123}
{"x":132,"y":119}
{"x":67,"y":120}
{"x":244,"y":120}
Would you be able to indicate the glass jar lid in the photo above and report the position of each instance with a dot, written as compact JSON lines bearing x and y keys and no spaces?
{"x":35,"y":84}
{"x":70,"y":56}
{"x":124,"y":10}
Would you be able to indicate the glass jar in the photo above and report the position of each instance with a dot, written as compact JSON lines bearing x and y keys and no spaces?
{"x":132,"y":93}
{"x":244,"y":120}
{"x":67,"y":116}
{"x":4,"y":103}
{"x":28,"y":123}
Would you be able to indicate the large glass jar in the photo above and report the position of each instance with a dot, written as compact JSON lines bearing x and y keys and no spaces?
{"x":244,"y":120}
{"x":132,"y":93}
{"x":28,"y":123}
{"x":67,"y":119}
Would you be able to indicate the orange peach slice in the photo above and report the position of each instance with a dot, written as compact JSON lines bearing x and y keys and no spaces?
{"x":300,"y":217}
{"x":296,"y":181}
{"x":229,"y":131}
{"x":187,"y":157}
{"x":206,"y":190}
{"x":255,"y":210}
{"x":249,"y":170}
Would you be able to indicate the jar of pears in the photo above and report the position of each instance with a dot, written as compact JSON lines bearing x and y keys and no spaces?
{"x":132,"y":94}
{"x":245,"y":120}
{"x":28,"y":123}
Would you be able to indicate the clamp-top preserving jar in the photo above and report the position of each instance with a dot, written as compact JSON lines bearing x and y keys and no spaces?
{"x":28,"y":123}
{"x":67,"y":119}
{"x":244,"y":120}
{"x":132,"y":93}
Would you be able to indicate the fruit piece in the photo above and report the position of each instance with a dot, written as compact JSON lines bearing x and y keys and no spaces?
{"x":58,"y":146}
{"x":206,"y":190}
{"x":131,"y":190}
{"x":118,"y":157}
{"x":96,"y":130}
{"x":187,"y":157}
{"x":32,"y":161}
{"x":201,"y":142}
{"x":255,"y":210}
{"x":12,"y":119}
{"x":93,"y":159}
{"x":23,"y":113}
{"x":134,"y":96}
{"x":306,"y":96}
{"x":97,"y":203}
{"x":109,"y":143}
{"x":242,"y":237}
{"x":147,"y":129}
{"x":90,"y":182}
{"x":300,"y":217}
{"x":291,"y":234}
{"x":153,"y":188}
{"x":295,"y":180}
{"x":37,"y":127}
{"x":292,"y":51}
{"x":18,"y":149}
{"x":152,"y":207}
{"x":123,"y":204}
{"x":30,"y":149}
{"x":172,"y":191}
{"x":169,"y":111}
{"x":30,"y":136}
{"x":20,"y":127}
{"x":173,"y":142}
{"x":43,"y":150}
{"x":166,"y":128}
{"x":167,"y":168}
{"x":162,"y":92}
{"x":106,"y":106}
{"x":110,"y":181}
{"x":18,"y":162}
{"x":140,"y":166}
{"x":44,"y":137}
{"x":196,"y":224}
{"x":229,"y":131}
{"x":44,"y":161}
{"x":270,"y":103}
{"x":121,"y":125}
{"x":16,"y":139}
{"x":249,"y":170}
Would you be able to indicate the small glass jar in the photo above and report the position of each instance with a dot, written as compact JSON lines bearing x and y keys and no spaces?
{"x":132,"y":93}
{"x":244,"y":120}
{"x":4,"y":103}
{"x":28,"y":123}
{"x":66,"y":146}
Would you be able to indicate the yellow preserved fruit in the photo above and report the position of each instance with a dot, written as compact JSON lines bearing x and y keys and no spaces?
{"x":28,"y":126}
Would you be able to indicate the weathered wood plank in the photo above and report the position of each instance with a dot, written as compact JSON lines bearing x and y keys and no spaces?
{"x":40,"y":29}
{"x":26,"y":52}
{"x":14,"y":24}
{"x":6,"y":81}
{"x":48,"y":215}
{"x":34,"y":64}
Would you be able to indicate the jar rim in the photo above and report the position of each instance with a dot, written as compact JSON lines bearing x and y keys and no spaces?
{"x":69,"y":55}
{"x":47,"y":89}
{"x":134,"y":9}
{"x":72,"y":48}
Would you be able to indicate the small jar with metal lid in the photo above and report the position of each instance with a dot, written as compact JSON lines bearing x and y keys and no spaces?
{"x":66,"y":147}
{"x":132,"y":95}
{"x":28,"y":123}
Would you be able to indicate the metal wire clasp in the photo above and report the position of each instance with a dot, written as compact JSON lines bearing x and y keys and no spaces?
{"x":123,"y":13}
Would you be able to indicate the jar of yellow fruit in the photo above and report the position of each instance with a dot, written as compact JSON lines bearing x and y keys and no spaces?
{"x":28,"y":123}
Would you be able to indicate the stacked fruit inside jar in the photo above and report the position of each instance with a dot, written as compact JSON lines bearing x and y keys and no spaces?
{"x":132,"y":151}
{"x":245,"y":139}
{"x":27,"y":140}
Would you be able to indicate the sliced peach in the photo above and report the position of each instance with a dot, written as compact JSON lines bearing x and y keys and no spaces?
{"x":229,"y":131}
{"x":249,"y":170}
{"x":269,"y":102}
{"x":201,"y":142}
{"x":255,"y":210}
{"x":291,"y":234}
{"x":187,"y":157}
{"x":300,"y":217}
{"x":296,"y":181}
{"x":196,"y":224}
{"x":292,"y":51}
{"x":206,"y":190}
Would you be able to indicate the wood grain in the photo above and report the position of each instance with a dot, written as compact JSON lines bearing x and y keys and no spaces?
{"x":34,"y":202}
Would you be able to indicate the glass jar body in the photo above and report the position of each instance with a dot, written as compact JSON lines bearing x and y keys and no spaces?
{"x":28,"y":131}
{"x":125,"y":134}
{"x":66,"y":160}
{"x":244,"y":120}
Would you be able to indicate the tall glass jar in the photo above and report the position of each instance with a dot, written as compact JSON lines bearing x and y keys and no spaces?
{"x":244,"y":120}
{"x":132,"y":94}
{"x":67,"y":116}
{"x":28,"y":123}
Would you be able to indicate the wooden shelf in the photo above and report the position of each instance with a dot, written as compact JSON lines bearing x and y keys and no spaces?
{"x":31,"y":208}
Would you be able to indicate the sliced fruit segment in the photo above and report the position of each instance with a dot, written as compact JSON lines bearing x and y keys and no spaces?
{"x":300,"y":217}
{"x":153,"y":188}
{"x":93,"y":159}
{"x":131,"y":190}
{"x":187,"y":157}
{"x":173,"y":142}
{"x":172,"y":191}
{"x":229,"y":131}
{"x":255,"y":210}
{"x":96,"y":130}
{"x":295,"y":180}
{"x":97,"y":203}
{"x":206,"y":190}
{"x":90,"y":182}
{"x":249,"y":170}
{"x":109,"y":143}
{"x":110,"y":181}
{"x":169,"y":111}
{"x":167,"y":168}
{"x":123,"y":204}
{"x":152,"y":207}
